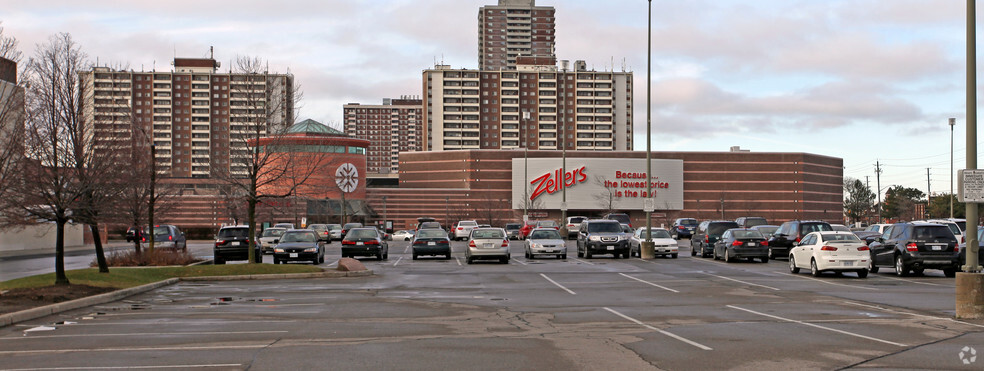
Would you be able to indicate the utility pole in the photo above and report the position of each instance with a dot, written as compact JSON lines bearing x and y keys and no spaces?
{"x":928,"y":193}
{"x":647,"y":250}
{"x":878,"y":172}
{"x":953,"y":121}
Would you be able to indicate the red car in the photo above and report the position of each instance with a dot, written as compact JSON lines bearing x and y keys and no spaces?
{"x":534,"y":224}
{"x":526,"y":229}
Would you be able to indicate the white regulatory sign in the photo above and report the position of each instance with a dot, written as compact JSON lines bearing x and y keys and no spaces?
{"x":649,"y":205}
{"x":970,"y":185}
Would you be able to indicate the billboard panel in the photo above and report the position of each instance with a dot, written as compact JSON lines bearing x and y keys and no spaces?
{"x":596,"y":183}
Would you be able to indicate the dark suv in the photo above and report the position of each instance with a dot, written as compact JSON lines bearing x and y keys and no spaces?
{"x":707,"y":233}
{"x":621,"y":217}
{"x":790,"y":233}
{"x":751,"y":221}
{"x":683,"y":227}
{"x":602,"y":236}
{"x":232,"y":243}
{"x":915,"y":246}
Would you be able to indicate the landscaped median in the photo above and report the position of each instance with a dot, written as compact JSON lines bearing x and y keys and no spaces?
{"x":127,"y":281}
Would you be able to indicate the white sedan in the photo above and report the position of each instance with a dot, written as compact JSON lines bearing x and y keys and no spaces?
{"x":830,"y":251}
{"x":663,"y":243}
{"x":403,"y":235}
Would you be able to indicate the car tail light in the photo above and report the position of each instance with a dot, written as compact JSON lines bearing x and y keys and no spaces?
{"x":912,"y":247}
{"x":326,"y":233}
{"x":372,"y":242}
{"x":797,"y":239}
{"x":505,"y":243}
{"x":471,"y":243}
{"x":863,"y":248}
{"x":460,"y":229}
{"x":764,"y":243}
{"x":963,"y":239}
{"x":737,"y":243}
{"x":419,"y":242}
{"x":347,"y":242}
{"x":143,"y":239}
{"x":828,"y":248}
{"x":956,"y":249}
{"x":679,"y":227}
{"x":707,"y":239}
{"x":170,"y":238}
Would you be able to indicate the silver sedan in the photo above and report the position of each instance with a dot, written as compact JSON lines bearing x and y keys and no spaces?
{"x":545,"y":241}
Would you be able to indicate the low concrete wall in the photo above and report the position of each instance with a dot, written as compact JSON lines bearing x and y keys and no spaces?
{"x":38,"y":239}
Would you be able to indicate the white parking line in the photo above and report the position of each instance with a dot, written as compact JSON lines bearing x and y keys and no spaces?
{"x":672,"y":335}
{"x":519,"y":261}
{"x":406,"y":249}
{"x":144,"y":334}
{"x":747,"y":283}
{"x":915,"y":282}
{"x":835,"y":284}
{"x":913,"y":314}
{"x":650,"y":283}
{"x":134,"y":349}
{"x":127,"y":367}
{"x":333,"y":263}
{"x":817,"y":326}
{"x":558,"y":285}
{"x":397,"y":261}
{"x":583,"y":261}
{"x":457,"y":260}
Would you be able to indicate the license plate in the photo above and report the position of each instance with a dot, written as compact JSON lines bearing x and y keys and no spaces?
{"x":489,"y":245}
{"x":849,"y":263}
{"x":360,"y":243}
{"x":937,"y":248}
{"x":293,"y":254}
{"x":431,"y":243}
{"x":752,"y":244}
{"x":235,"y":243}
{"x":611,"y":247}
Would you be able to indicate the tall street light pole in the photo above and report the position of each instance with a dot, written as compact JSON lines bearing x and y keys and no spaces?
{"x":953,"y":121}
{"x":647,"y":250}
{"x":153,"y":197}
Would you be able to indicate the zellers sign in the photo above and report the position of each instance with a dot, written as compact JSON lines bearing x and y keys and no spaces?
{"x":598,"y":183}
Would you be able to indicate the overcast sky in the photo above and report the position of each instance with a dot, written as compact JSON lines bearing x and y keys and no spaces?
{"x":863,"y":80}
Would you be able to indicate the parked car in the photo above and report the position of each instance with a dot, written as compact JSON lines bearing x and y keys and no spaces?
{"x":602,"y":236}
{"x":707,"y":233}
{"x":836,"y":251}
{"x":547,"y":224}
{"x":168,"y":236}
{"x":738,"y":243}
{"x":464,"y":228}
{"x":954,"y":228}
{"x":299,"y":245}
{"x":621,"y":217}
{"x":232,"y":243}
{"x":324,"y":234}
{"x":364,"y":241}
{"x":683,"y":227}
{"x":404,"y":235}
{"x":766,"y":230}
{"x":791,"y":233}
{"x":545,"y":241}
{"x":133,"y":234}
{"x":431,"y":242}
{"x":270,"y":237}
{"x":663,"y":242}
{"x":284,"y":225}
{"x":349,"y":226}
{"x":867,"y":236}
{"x":335,"y":231}
{"x":487,"y":243}
{"x":840,"y":228}
{"x":880,"y":228}
{"x":751,"y":221}
{"x":512,"y":230}
{"x":527,"y":228}
{"x":573,"y":225}
{"x":915,"y":246}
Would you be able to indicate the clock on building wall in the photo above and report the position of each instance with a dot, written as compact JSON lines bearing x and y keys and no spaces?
{"x":347,"y":177}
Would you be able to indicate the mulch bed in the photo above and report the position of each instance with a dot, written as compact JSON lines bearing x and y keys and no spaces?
{"x":20,"y":299}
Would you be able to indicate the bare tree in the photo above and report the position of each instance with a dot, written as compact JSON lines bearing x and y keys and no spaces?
{"x":48,"y":189}
{"x":605,"y":199}
{"x":8,"y":47}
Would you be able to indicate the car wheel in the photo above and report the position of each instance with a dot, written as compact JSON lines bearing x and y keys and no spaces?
{"x":727,"y":256}
{"x":447,"y":256}
{"x":563,"y":256}
{"x":901,"y":269}
{"x":674,"y":255}
{"x":918,"y":271}
{"x":792,"y":266}
{"x":813,"y":268}
{"x":414,"y":256}
{"x":765,"y":259}
{"x":468,"y":260}
{"x":863,"y":273}
{"x":276,"y":261}
{"x":218,"y":261}
{"x":872,"y":268}
{"x":504,"y":260}
{"x":950,"y":272}
{"x":587,"y":253}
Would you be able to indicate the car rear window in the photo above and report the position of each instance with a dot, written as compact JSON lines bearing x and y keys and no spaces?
{"x":657,"y":233}
{"x":767,"y":230}
{"x":234,"y":232}
{"x":479,"y":234}
{"x":751,"y":222}
{"x":604,"y":228}
{"x":361,"y":233}
{"x":622,"y":218}
{"x":299,"y":237}
{"x":273,"y":232}
{"x":839,"y":237}
{"x":717,"y":229}
{"x":352,"y":225}
{"x":431,"y":233}
{"x":931,"y":232}
{"x":512,"y":226}
{"x":576,"y":219}
{"x":547,"y":223}
{"x":806,"y":228}
{"x":433,"y":225}
{"x":748,"y":234}
{"x":466,"y":223}
{"x":692,"y":222}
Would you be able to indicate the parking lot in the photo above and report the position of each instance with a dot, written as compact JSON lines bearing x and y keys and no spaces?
{"x":685,"y":313}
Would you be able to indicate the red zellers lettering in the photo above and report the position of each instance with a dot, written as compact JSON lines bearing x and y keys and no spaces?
{"x":550,"y":182}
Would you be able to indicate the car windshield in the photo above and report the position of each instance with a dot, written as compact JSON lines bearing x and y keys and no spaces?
{"x":298,"y":237}
{"x":482,"y":234}
{"x":512,"y":226}
{"x":931,"y":232}
{"x":839,"y":237}
{"x":431,"y":233}
{"x":274,"y":232}
{"x":657,"y":233}
{"x":545,"y":235}
{"x":750,"y":233}
{"x":953,"y":228}
{"x":716,"y":229}
{"x":161,"y":231}
{"x":622,"y":218}
{"x":689,"y":222}
{"x":234,"y":232}
{"x":604,"y":228}
{"x":361,"y":233}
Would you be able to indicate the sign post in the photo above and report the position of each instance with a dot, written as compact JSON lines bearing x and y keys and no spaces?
{"x":970,"y":190}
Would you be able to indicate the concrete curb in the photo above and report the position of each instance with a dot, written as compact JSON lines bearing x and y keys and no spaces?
{"x":35,"y":313}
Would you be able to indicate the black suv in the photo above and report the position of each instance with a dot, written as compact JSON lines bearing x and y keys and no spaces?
{"x":683,"y":227}
{"x":232,"y":243}
{"x":621,"y":217}
{"x":707,"y":233}
{"x":602,"y":236}
{"x":915,"y":246}
{"x":790,"y":233}
{"x":751,"y":221}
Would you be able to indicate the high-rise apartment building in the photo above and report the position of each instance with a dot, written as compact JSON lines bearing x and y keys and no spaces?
{"x":391,"y":128}
{"x":199,"y":119}
{"x":537,"y":106}
{"x":512,"y":29}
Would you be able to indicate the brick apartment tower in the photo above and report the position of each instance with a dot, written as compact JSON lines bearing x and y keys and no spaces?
{"x":511,"y":29}
{"x":478,"y":109}
{"x":391,"y":128}
{"x":199,"y":118}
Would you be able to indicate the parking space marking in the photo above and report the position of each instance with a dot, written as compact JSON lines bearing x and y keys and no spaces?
{"x":333,"y":263}
{"x":831,"y":283}
{"x":650,"y":283}
{"x":128,"y":367}
{"x":583,"y":261}
{"x":817,"y":326}
{"x":457,"y":260}
{"x":670,"y":334}
{"x":915,"y":282}
{"x":143,"y":334}
{"x":740,"y":281}
{"x":558,"y":285}
{"x":135,"y":349}
{"x":519,"y":261}
{"x":912,"y":314}
{"x":406,"y":249}
{"x":397,"y":261}
{"x":729,"y":265}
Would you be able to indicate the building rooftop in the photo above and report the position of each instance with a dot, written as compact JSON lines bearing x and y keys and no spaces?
{"x":313,"y":127}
